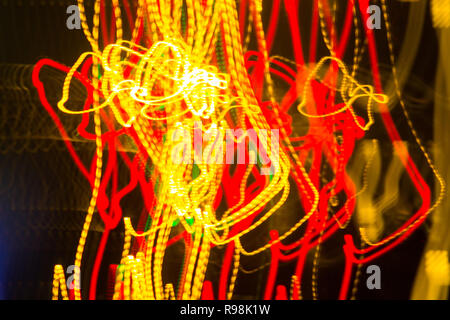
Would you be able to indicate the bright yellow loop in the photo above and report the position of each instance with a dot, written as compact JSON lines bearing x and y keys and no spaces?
{"x":349,"y":94}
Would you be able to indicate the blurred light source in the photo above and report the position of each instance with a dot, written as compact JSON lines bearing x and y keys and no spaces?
{"x":440,"y":10}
